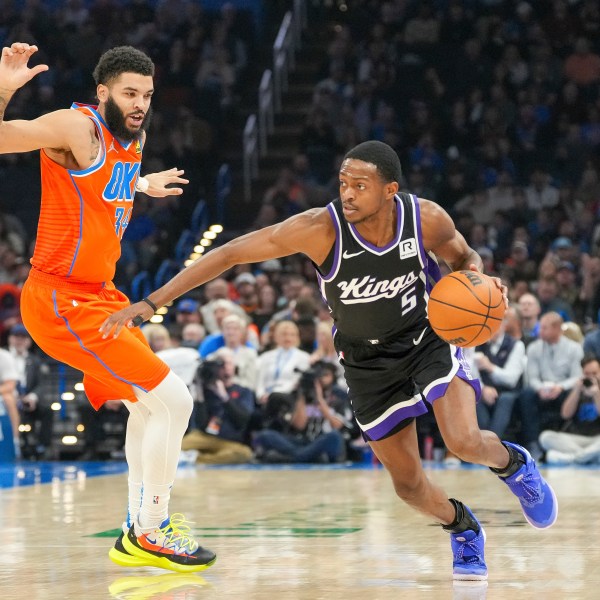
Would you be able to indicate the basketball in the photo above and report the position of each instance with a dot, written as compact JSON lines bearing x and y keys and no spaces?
{"x":466,"y":308}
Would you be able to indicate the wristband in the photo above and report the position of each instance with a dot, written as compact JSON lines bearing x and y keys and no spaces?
{"x":150,"y":304}
{"x":142,"y":184}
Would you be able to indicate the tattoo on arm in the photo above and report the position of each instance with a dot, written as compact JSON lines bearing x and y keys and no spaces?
{"x":5,"y":96}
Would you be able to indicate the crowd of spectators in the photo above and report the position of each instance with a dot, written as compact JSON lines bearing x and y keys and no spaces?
{"x":494,"y":108}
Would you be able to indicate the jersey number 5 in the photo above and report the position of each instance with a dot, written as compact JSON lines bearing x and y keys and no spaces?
{"x":408,"y":300}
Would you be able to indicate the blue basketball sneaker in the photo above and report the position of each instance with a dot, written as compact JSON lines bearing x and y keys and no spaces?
{"x":537,"y":498}
{"x":468,"y":550}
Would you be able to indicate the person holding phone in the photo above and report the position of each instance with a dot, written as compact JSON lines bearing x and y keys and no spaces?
{"x":579,"y":442}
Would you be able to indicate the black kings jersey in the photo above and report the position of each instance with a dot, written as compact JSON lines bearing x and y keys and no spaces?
{"x":379,"y":293}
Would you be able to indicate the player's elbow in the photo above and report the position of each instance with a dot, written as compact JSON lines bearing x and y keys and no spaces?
{"x":229,"y":256}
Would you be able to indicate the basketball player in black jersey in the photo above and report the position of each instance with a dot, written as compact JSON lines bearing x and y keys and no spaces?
{"x":376,"y":252}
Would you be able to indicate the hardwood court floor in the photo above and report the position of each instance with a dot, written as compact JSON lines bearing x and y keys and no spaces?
{"x":305,"y":534}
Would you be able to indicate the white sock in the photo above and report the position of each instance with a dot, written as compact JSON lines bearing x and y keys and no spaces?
{"x":135,"y":501}
{"x":155,"y":506}
{"x":136,"y":426}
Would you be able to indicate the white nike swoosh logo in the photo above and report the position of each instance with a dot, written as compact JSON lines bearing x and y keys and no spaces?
{"x":347,"y":255}
{"x":418,"y":340}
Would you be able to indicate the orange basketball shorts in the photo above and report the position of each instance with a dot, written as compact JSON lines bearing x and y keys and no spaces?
{"x":64,"y":319}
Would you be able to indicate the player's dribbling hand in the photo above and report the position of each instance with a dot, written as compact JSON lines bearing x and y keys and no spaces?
{"x":125,"y":318}
{"x":159,"y":182}
{"x":497,"y":281}
{"x":14,"y":72}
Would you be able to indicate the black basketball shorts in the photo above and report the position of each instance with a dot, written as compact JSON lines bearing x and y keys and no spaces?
{"x":389,"y":382}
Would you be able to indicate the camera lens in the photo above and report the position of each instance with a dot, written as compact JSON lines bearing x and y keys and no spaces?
{"x":587,"y":382}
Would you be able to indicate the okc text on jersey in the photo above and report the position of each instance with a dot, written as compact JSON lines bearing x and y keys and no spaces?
{"x":122,"y":182}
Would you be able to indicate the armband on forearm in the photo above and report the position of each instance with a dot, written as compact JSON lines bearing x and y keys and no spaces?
{"x":142,"y":184}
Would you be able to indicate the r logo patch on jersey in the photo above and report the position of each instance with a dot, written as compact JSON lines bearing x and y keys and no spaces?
{"x":138,"y":147}
{"x":408,"y":248}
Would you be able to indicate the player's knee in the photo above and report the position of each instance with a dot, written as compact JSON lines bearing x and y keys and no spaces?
{"x":182,"y":403}
{"x":466,"y":445}
{"x":173,"y":396}
{"x":409,"y":486}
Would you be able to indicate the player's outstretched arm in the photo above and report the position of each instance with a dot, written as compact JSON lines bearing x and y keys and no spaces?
{"x":54,"y":130}
{"x":310,"y":233}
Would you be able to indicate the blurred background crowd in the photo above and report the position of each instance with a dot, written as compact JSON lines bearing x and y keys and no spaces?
{"x":494,"y":109}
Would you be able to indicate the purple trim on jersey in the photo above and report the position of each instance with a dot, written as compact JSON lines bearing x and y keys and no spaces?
{"x":382,"y":429}
{"x":418,"y":232}
{"x":322,"y":288}
{"x":430,"y":267}
{"x":434,"y":269}
{"x":338,"y":237}
{"x":439,"y":390}
{"x":394,"y":242}
{"x":320,"y":282}
{"x":434,"y":274}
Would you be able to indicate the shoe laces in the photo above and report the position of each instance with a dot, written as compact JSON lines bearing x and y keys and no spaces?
{"x":530,"y":487}
{"x":176,"y":532}
{"x":468,"y":544}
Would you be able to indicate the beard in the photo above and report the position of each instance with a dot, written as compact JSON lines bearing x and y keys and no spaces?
{"x":116,"y":122}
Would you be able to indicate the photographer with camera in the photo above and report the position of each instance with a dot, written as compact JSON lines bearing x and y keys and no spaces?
{"x":579,"y":441}
{"x":319,"y":422}
{"x":219,"y":422}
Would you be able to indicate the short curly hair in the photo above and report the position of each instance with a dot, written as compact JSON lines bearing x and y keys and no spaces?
{"x":122,"y":59}
{"x":382,"y":156}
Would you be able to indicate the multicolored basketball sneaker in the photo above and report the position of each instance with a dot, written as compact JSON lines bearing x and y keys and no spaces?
{"x":468,"y":550}
{"x":169,"y":546}
{"x":537,"y":498}
{"x":121,"y":557}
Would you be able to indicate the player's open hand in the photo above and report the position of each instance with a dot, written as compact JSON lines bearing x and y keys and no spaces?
{"x":14,"y":72}
{"x":158,"y":183}
{"x":132,"y":316}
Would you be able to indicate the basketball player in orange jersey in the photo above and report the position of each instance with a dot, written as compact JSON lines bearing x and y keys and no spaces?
{"x":90,"y":167}
{"x":376,"y":251}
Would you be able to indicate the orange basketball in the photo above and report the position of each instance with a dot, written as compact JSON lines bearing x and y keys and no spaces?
{"x":466,"y":308}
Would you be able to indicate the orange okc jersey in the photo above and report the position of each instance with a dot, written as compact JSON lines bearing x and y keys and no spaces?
{"x":69,"y":292}
{"x":84,"y":213}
